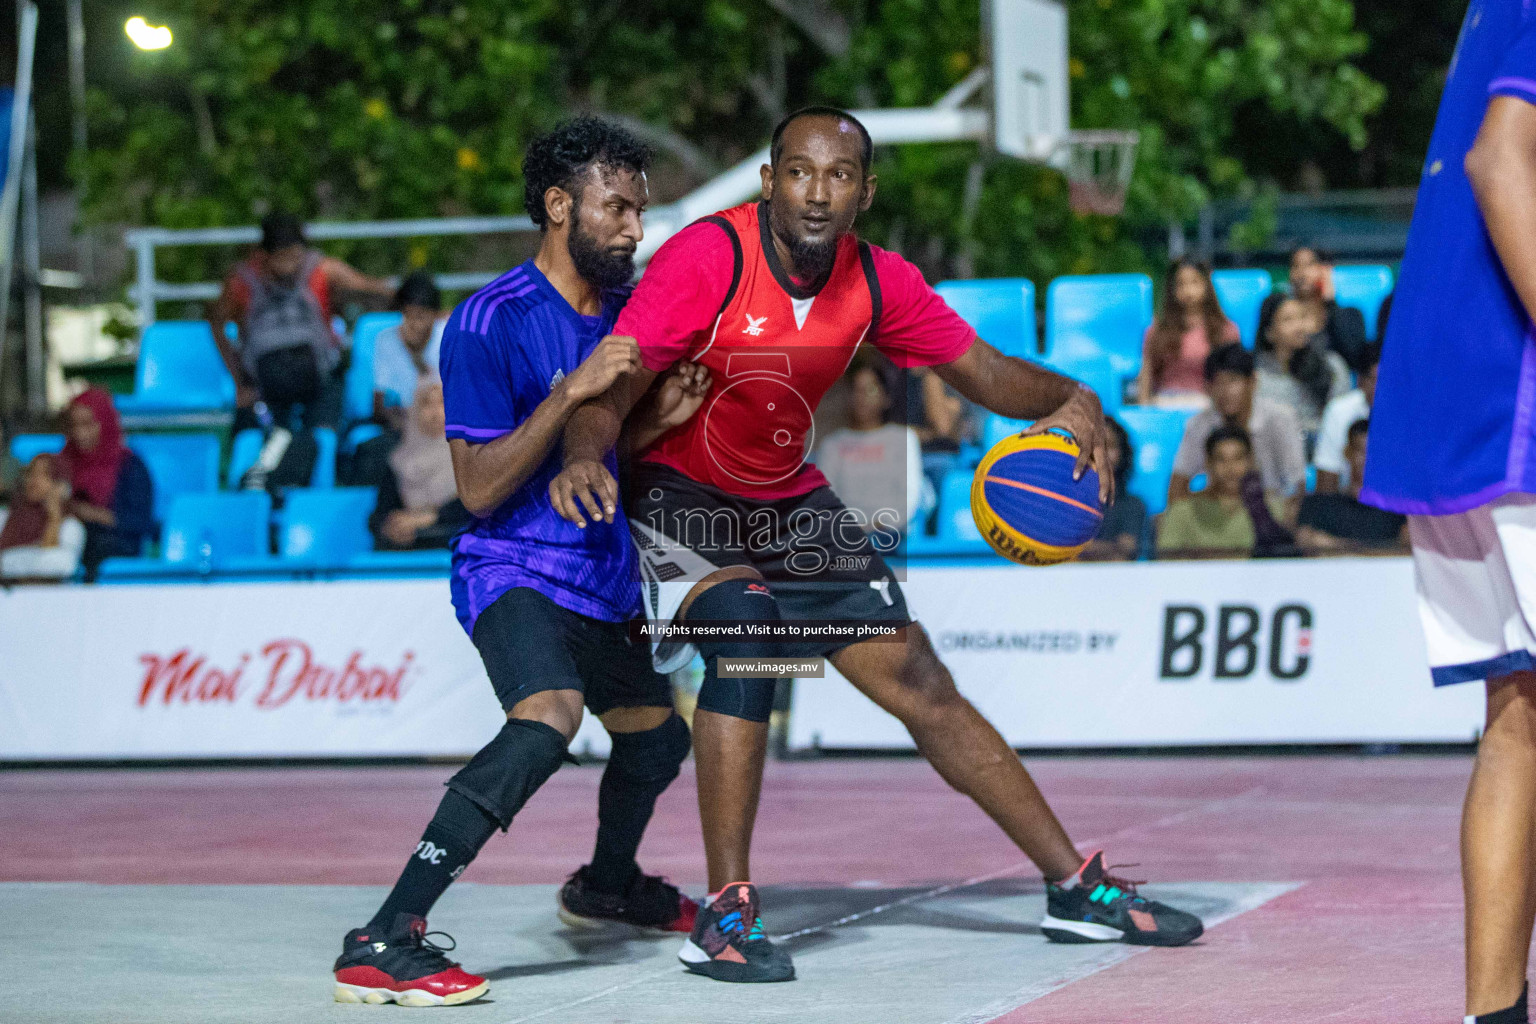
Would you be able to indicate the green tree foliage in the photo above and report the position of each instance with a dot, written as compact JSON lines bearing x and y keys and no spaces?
{"x":353,"y":109}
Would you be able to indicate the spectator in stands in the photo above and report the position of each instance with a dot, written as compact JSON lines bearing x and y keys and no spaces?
{"x":404,"y":354}
{"x":944,"y":421}
{"x":1295,"y":367}
{"x":10,"y":469}
{"x":1341,"y":523}
{"x":1312,"y":281}
{"x":418,"y":500}
{"x":286,"y":354}
{"x":1119,"y":537}
{"x":1224,"y":520}
{"x":1329,"y":457}
{"x":38,"y":537}
{"x":1274,"y":436}
{"x":111,"y":492}
{"x":1189,"y":325}
{"x":874,"y":466}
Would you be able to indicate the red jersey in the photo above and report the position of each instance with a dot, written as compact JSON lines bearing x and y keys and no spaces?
{"x":716,"y":294}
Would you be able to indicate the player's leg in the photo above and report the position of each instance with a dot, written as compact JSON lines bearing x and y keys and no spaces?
{"x":730,"y":743}
{"x":1497,"y":848}
{"x":390,"y":959}
{"x":649,"y":744}
{"x":1085,"y":904}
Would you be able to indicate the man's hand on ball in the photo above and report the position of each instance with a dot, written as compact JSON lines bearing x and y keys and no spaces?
{"x":1083,"y":417}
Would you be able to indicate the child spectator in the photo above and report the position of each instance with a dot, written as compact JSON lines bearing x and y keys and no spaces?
{"x":1219,"y":522}
{"x":1190,"y":324}
{"x":1275,"y":440}
{"x":1341,"y":523}
{"x":404,"y":354}
{"x":1119,"y":537}
{"x":1295,"y":368}
{"x":418,"y":500}
{"x":1333,"y":472}
{"x":874,"y":466}
{"x":1312,"y":281}
{"x":38,"y":538}
{"x":110,"y":486}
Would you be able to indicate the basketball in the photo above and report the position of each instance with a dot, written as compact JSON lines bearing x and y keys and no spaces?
{"x":1027,"y":505}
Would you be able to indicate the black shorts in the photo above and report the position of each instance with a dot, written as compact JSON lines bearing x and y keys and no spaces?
{"x":819,"y":564}
{"x":530,"y":644}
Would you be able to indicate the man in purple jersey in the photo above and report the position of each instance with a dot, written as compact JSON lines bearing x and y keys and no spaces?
{"x":544,"y":601}
{"x":1451,"y":433}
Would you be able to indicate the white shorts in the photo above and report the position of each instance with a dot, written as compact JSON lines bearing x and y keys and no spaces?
{"x":1475,"y":573}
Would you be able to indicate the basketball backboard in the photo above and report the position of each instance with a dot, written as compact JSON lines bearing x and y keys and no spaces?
{"x":1028,"y":53}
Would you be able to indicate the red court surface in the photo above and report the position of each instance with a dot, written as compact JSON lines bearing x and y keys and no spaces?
{"x":1372,"y":935}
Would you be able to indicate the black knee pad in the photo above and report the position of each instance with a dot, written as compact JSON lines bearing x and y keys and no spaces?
{"x":653,"y":757}
{"x":736,"y":601}
{"x":510,"y":769}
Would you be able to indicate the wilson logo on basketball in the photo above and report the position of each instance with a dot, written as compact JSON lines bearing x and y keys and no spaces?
{"x":284,"y":670}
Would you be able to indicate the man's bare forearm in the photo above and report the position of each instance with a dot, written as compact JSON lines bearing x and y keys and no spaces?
{"x":487,"y":474}
{"x":1006,"y":385}
{"x":1502,"y":169}
{"x":595,"y":427}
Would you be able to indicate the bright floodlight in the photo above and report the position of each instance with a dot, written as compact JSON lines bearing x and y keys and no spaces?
{"x":146,"y":36}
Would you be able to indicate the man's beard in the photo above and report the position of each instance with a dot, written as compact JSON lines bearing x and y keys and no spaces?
{"x":604,"y":268}
{"x":812,"y":257}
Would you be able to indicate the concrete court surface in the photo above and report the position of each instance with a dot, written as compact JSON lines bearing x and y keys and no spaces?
{"x":221,"y":895}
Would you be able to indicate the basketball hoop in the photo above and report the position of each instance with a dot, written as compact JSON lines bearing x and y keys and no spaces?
{"x":1098,"y":166}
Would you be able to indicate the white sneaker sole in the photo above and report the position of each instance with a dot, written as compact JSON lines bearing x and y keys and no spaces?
{"x":410,"y":997}
{"x":1087,"y":931}
{"x":692,"y":954}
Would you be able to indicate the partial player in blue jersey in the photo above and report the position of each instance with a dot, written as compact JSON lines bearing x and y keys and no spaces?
{"x":544,"y":601}
{"x":1451,"y":446}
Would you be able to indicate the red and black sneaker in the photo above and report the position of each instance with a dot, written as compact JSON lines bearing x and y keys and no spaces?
{"x":650,"y":901}
{"x":728,"y":943}
{"x":402,"y":966}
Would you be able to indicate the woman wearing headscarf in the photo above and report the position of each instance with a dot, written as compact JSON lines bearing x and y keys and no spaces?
{"x":111,"y":492}
{"x":37,"y":536}
{"x":418,"y":500}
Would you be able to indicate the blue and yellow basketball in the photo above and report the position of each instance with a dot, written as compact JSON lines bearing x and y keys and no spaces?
{"x":1028,"y":506}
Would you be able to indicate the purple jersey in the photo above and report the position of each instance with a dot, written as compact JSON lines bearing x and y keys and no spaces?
{"x":1451,"y":425}
{"x":503,"y":350}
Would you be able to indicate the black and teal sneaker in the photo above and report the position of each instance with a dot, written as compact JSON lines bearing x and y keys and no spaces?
{"x":1093,"y":906}
{"x":728,"y":943}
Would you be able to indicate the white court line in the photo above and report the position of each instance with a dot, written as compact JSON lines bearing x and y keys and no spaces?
{"x":1172,"y":819}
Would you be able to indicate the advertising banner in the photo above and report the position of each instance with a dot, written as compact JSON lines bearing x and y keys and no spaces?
{"x":1283,"y":651}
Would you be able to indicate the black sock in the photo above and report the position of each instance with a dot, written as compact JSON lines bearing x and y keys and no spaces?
{"x":641,"y":766}
{"x":455,"y":834}
{"x":1516,"y":1014}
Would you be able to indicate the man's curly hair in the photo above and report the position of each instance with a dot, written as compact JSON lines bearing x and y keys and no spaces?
{"x":560,"y":159}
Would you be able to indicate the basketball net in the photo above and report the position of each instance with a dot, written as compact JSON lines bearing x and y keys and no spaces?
{"x":1098,"y":166}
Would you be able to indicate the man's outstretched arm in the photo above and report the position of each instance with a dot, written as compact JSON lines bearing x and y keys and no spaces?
{"x":590,"y":434}
{"x":1502,"y":169}
{"x":1023,"y":390}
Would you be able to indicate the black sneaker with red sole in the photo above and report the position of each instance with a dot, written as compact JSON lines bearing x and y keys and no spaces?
{"x":402,"y":966}
{"x":649,"y":902}
{"x":728,"y":942}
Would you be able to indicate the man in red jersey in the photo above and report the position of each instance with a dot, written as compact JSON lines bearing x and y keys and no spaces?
{"x":774,"y":298}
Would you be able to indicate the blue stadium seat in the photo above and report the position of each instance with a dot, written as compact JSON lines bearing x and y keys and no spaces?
{"x":247,"y":446}
{"x":228,"y":525}
{"x":1002,"y":310}
{"x":1106,"y":376}
{"x":325,"y":527}
{"x":994,"y":428}
{"x":435,"y":562}
{"x":1242,"y":294}
{"x":1155,"y":434}
{"x":1105,"y":313}
{"x":1364,"y":288}
{"x":361,"y":434}
{"x":180,"y":377}
{"x":25,"y":447}
{"x":358,"y":404}
{"x":178,"y":464}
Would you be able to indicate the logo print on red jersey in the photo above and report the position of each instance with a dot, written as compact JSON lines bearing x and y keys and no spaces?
{"x":754,"y":325}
